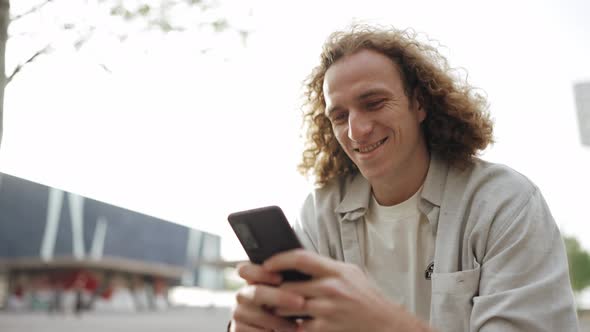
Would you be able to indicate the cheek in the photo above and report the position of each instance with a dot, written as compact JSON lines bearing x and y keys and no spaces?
{"x":341,"y":135}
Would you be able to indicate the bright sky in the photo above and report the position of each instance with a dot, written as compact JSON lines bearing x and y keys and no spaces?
{"x":190,"y":137}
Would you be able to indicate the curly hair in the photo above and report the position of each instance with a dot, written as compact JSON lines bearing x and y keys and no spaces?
{"x":457,"y":123}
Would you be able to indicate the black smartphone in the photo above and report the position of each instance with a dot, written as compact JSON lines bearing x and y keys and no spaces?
{"x":265,"y":232}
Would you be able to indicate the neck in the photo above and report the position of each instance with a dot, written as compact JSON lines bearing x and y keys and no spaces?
{"x":401,"y":186}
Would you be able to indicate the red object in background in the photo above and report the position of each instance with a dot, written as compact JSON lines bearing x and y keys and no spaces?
{"x":80,"y":278}
{"x":159,"y":286}
{"x":107,"y":293}
{"x":19,"y":291}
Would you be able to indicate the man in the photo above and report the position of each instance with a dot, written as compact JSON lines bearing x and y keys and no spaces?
{"x":408,"y":230}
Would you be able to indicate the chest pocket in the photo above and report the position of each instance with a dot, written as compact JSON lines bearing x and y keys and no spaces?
{"x":452,"y":299}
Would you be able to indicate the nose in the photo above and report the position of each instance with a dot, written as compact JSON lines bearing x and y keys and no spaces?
{"x":359,"y":126}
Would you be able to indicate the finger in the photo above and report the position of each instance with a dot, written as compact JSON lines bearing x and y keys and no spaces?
{"x":311,"y":325}
{"x":239,"y":326}
{"x":290,"y":313}
{"x":322,"y":287}
{"x":255,"y":274}
{"x":321,"y":307}
{"x":258,"y":319}
{"x":269,"y":296}
{"x":318,"y":307}
{"x":303,"y":261}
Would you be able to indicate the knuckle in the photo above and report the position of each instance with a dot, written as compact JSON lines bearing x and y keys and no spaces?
{"x":242,"y":271}
{"x":281,"y":297}
{"x":243,"y":317}
{"x":257,"y":295}
{"x":262,"y":295}
{"x":237,"y":315}
{"x":332,"y":287}
{"x":350,"y":269}
{"x":326,"y":309}
{"x":246,"y":294}
{"x":240,"y":298}
{"x":254,"y":274}
{"x":246,"y":271}
{"x":320,"y":308}
{"x":300,"y":258}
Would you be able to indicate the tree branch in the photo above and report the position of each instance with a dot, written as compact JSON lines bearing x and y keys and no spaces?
{"x":31,"y":59}
{"x":30,"y":11}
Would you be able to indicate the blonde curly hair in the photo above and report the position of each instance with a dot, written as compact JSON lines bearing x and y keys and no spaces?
{"x":457,"y":123}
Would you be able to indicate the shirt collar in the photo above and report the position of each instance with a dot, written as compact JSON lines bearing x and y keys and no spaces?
{"x":434,"y":184}
{"x":358,"y":190}
{"x":356,"y":197}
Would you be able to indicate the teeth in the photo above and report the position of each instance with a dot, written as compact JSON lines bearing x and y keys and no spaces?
{"x":371,"y":147}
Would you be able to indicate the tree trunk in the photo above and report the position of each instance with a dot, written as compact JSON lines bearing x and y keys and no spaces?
{"x":4,"y":21}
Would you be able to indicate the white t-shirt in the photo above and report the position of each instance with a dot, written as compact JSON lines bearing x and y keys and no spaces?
{"x":400,"y":253}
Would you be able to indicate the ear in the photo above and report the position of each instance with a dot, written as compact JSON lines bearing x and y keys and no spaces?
{"x":421,"y":112}
{"x":417,"y":107}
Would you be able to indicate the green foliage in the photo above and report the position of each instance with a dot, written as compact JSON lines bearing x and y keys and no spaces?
{"x":127,"y":14}
{"x":220,"y":25}
{"x":138,"y":16}
{"x":174,"y":16}
{"x":579,"y":264}
{"x":118,"y":10}
{"x":144,"y":10}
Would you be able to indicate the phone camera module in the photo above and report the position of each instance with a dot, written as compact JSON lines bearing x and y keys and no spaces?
{"x":246,"y":236}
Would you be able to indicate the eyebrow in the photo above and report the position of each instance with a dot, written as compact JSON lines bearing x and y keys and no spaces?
{"x":365,"y":95}
{"x":372,"y":92}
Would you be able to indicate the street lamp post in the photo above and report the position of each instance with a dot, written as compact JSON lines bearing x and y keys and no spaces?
{"x":582,"y":92}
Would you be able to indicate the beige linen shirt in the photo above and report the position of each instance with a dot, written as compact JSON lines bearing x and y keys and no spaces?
{"x":499,"y":262}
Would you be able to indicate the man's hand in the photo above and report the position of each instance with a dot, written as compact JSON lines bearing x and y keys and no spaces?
{"x":340,"y":297}
{"x":257,"y":302}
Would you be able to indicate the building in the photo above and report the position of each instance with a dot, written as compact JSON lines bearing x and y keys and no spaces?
{"x":61,"y":251}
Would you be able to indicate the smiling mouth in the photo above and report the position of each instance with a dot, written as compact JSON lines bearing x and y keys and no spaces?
{"x":369,"y":148}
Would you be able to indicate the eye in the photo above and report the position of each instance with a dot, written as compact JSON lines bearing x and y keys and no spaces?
{"x":375,"y":105}
{"x":339,"y":117}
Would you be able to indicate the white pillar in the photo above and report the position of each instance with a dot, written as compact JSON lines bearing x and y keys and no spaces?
{"x":98,"y":240}
{"x":54,"y":204}
{"x":77,"y":218}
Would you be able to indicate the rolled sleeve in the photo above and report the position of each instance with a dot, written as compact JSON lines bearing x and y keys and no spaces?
{"x":524,"y":283}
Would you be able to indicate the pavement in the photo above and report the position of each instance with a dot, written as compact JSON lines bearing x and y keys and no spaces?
{"x":177,"y":320}
{"x":194,"y":319}
{"x":584,"y":318}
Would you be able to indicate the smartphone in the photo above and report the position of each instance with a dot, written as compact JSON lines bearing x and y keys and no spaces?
{"x":265,"y":232}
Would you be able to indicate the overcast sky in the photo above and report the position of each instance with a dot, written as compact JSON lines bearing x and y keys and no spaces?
{"x":190,"y":138}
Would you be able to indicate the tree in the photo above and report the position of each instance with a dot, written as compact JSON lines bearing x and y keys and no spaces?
{"x":151,"y":14}
{"x":579,"y":264}
{"x":4,"y":21}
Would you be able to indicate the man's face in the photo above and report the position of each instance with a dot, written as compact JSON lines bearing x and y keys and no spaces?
{"x":372,"y":118}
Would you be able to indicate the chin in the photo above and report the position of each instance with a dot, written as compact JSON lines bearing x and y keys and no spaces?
{"x":371,"y":175}
{"x":382,"y":171}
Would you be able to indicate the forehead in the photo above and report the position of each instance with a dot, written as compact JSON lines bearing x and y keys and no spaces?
{"x":354,"y":74}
